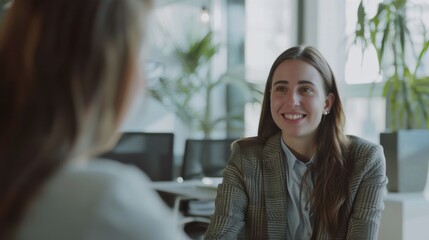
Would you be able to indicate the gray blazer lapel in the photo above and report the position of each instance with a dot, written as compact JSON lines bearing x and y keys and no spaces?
{"x":274,"y":169}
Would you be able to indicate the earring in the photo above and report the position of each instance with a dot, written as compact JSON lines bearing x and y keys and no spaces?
{"x":326,"y":113}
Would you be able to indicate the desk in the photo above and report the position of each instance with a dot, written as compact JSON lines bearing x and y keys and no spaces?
{"x":198,"y":189}
{"x":201,"y":189}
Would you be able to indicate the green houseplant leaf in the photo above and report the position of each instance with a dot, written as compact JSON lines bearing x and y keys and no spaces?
{"x":189,"y":92}
{"x":390,"y":34}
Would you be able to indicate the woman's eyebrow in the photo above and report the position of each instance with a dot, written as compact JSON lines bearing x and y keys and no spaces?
{"x":305,"y":82}
{"x":301,"y":82}
{"x":281,"y":82}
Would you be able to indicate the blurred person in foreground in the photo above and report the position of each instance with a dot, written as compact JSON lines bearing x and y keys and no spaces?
{"x":301,"y":177}
{"x":68,"y":72}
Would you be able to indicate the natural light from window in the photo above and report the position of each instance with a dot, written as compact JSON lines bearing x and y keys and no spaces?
{"x":361,"y":66}
{"x":270,"y":29}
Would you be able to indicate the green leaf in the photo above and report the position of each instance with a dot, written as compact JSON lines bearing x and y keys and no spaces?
{"x":423,"y":105}
{"x":383,"y":43}
{"x":361,"y":24}
{"x":361,"y":13}
{"x":399,"y":4}
{"x":421,"y":55}
{"x":380,"y":10}
{"x":376,"y":20}
{"x":400,"y":23}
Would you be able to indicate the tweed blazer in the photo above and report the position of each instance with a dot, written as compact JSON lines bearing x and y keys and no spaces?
{"x":251,"y":202}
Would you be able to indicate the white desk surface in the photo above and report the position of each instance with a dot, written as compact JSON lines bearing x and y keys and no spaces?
{"x":197,"y":189}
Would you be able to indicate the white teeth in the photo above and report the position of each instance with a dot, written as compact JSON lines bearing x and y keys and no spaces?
{"x":293,"y":116}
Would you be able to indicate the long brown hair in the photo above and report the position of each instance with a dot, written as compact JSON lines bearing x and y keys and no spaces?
{"x":66,"y":68}
{"x":331,"y":171}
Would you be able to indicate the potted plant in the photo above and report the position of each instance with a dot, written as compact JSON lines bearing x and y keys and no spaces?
{"x":401,"y":43}
{"x":190,"y":90}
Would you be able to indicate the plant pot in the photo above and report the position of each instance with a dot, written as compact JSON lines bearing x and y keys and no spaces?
{"x":407,"y":158}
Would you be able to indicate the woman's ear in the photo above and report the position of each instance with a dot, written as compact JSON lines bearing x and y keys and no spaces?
{"x":329,"y":101}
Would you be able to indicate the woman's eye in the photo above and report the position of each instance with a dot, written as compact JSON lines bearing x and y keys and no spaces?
{"x":280,"y":89}
{"x":307,"y":90}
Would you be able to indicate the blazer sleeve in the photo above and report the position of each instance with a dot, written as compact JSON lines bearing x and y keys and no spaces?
{"x":368,"y":204}
{"x":227,"y":221}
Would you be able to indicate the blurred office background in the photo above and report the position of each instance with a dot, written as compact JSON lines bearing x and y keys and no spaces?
{"x":251,"y":34}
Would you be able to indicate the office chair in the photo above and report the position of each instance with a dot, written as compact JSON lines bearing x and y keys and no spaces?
{"x":150,"y":152}
{"x":205,"y":157}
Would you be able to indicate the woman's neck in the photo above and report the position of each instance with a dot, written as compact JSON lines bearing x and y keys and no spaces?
{"x":302,"y":148}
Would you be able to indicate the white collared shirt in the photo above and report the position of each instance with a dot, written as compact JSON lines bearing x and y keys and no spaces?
{"x":298,"y":207}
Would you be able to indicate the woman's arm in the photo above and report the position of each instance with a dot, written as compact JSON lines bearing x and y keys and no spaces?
{"x":231,"y":201}
{"x":368,"y":204}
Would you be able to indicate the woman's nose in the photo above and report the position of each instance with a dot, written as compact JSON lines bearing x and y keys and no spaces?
{"x":292,"y":99}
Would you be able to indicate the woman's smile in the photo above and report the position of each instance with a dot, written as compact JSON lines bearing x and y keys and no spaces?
{"x":293,"y":116}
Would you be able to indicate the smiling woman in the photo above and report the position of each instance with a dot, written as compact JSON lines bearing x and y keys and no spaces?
{"x":301,"y":177}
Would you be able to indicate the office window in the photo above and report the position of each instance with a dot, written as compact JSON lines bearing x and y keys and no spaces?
{"x":361,"y":66}
{"x":419,"y":15}
{"x":364,"y":106}
{"x":270,"y":29}
{"x":364,"y":117}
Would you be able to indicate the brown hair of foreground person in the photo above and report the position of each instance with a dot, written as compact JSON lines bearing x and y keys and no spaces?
{"x":66,"y":74}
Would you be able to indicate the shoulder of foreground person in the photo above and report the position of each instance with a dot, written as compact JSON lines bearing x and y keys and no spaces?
{"x":101,"y":200}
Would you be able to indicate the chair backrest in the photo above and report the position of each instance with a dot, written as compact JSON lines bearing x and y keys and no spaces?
{"x":151,"y":152}
{"x":205,"y":157}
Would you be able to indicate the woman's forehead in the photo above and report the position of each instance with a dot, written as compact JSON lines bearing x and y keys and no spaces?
{"x":296,"y":71}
